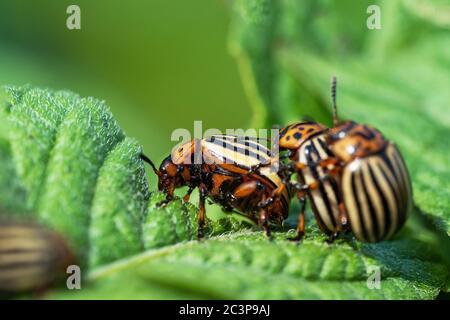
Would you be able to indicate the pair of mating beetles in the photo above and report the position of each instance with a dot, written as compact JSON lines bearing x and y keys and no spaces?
{"x":354,"y":178}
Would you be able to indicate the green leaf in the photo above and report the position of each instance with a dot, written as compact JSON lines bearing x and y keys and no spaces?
{"x":246,"y":265}
{"x":12,"y":193}
{"x":117,"y":215}
{"x":63,"y":148}
{"x":177,"y":222}
{"x":65,"y":159}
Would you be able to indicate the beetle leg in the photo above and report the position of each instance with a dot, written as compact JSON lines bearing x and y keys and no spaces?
{"x":201,"y":212}
{"x":169,"y":190}
{"x":263,"y":222}
{"x":255,"y":169}
{"x":275,"y":195}
{"x":286,"y":155}
{"x":301,"y":220}
{"x":332,"y":237}
{"x":188,"y":194}
{"x":343,"y":217}
{"x":332,"y":165}
{"x":306,"y":187}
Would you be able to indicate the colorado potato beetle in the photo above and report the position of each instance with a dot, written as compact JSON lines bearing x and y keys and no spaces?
{"x":31,"y":257}
{"x":225,"y":176}
{"x":307,"y":148}
{"x":353,"y":176}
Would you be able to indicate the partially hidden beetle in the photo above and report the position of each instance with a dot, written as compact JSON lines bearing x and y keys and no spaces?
{"x":354,"y":178}
{"x":31,"y":257}
{"x":224,"y":175}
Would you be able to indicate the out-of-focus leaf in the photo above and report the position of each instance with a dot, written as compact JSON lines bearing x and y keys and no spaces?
{"x":59,"y":143}
{"x":12,"y":193}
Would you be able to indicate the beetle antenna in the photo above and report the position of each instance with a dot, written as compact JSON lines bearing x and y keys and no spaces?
{"x":333,"y":98}
{"x":150,"y":162}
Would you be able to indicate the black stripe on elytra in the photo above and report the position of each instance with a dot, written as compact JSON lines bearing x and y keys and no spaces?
{"x":403,"y":184}
{"x":384,"y":203}
{"x":316,"y":176}
{"x":388,"y":160}
{"x":402,"y":170}
{"x":358,"y":205}
{"x":325,"y":148}
{"x":224,"y":172}
{"x":18,"y":250}
{"x":5,"y":233}
{"x":239,"y":165}
{"x":253,"y":145}
{"x":247,"y":148}
{"x":318,"y":217}
{"x":392,"y":190}
{"x":332,"y":182}
{"x":312,"y":150}
{"x":43,"y":263}
{"x":373,"y":216}
{"x":391,"y":162}
{"x":233,"y":147}
{"x":393,"y":187}
{"x":246,"y":141}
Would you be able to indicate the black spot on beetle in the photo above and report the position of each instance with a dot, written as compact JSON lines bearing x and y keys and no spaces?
{"x":297,"y":135}
{"x":180,"y":150}
{"x":283,"y":132}
{"x":309,"y":130}
{"x":288,"y":138}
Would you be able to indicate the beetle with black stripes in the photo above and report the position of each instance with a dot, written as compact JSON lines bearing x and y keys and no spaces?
{"x":224,"y":174}
{"x":355,"y":179}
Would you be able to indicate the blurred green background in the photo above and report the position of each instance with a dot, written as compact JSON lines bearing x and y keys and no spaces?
{"x":159,"y":64}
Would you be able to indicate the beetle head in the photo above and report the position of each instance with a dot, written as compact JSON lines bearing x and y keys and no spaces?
{"x":169,"y":175}
{"x":349,"y":140}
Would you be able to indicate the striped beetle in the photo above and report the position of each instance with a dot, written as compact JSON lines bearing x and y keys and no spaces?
{"x":354,"y":177}
{"x":31,"y":257}
{"x":225,"y":176}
